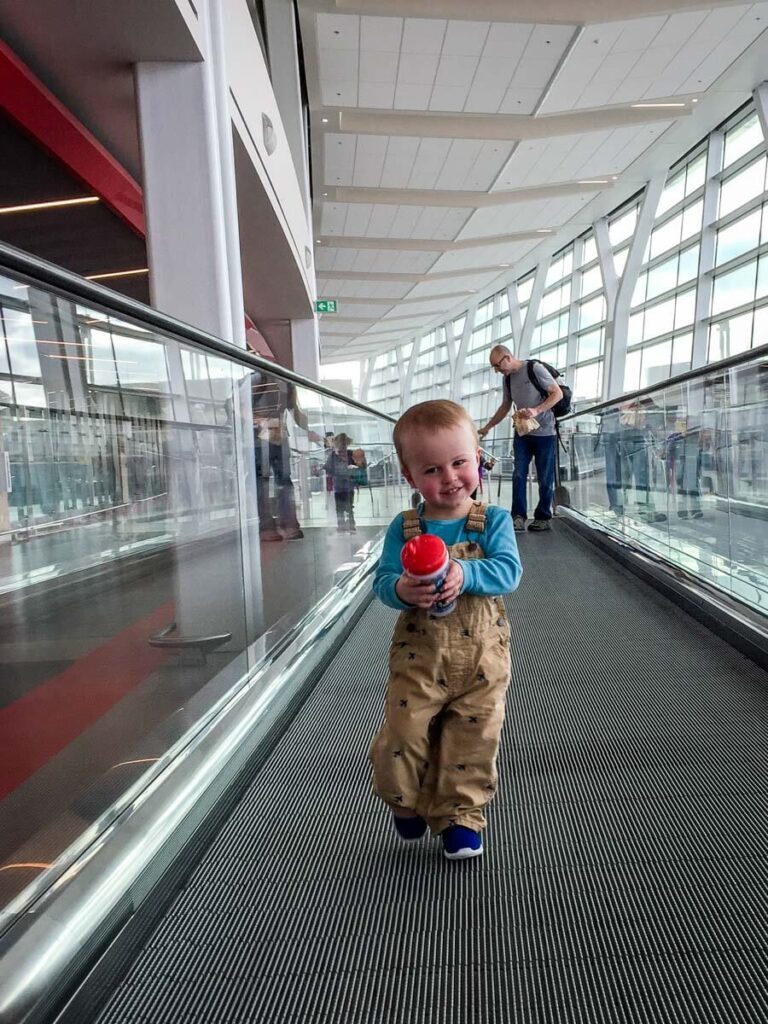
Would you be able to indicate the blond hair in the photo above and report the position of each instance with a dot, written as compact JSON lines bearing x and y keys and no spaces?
{"x":439,"y":414}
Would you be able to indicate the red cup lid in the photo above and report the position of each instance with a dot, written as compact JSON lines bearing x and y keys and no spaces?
{"x":424,"y":554}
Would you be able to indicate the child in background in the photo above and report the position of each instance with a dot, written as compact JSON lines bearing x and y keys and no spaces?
{"x":434,"y":758}
{"x":340,"y":466}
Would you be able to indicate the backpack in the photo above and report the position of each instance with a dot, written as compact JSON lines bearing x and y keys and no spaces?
{"x":563,"y":406}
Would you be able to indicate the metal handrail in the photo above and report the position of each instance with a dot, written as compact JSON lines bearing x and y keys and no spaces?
{"x":43,"y":272}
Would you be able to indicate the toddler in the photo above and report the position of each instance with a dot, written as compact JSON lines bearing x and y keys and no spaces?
{"x":434,"y":758}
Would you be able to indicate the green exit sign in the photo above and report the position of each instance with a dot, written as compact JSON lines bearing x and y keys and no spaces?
{"x":326,"y":306}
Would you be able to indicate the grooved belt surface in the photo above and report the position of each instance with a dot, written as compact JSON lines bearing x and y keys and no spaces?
{"x":625,"y":873}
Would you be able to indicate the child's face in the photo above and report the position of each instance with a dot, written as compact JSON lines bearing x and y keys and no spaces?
{"x":443,"y":465}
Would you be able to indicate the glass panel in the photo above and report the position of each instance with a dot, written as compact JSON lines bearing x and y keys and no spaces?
{"x":659,"y":319}
{"x":674,"y":192}
{"x":685,"y":306}
{"x":588,"y":382}
{"x":696,"y":174}
{"x":747,"y":184}
{"x":592,"y":312}
{"x":735,"y":288}
{"x":689,"y":265}
{"x":662,"y":278}
{"x":590,"y":345}
{"x":620,"y":261}
{"x":739,"y":237}
{"x":524,"y":290}
{"x":741,"y":139}
{"x":172,"y":515}
{"x":666,"y":236}
{"x":623,"y":227}
{"x":591,"y":280}
{"x":589,"y":250}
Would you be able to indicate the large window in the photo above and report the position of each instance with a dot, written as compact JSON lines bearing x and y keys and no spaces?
{"x":384,"y":390}
{"x":479,"y":391}
{"x":739,"y":311}
{"x":663,"y":304}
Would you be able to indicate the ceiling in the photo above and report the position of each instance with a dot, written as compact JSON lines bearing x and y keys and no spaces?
{"x":451,"y":153}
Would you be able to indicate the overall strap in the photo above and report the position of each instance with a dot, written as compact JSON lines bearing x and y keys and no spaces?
{"x":476,"y":519}
{"x":411,"y":524}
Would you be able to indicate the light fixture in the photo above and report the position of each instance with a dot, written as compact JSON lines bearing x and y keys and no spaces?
{"x":117,"y":273}
{"x":543,"y":231}
{"x":52,"y":205}
{"x":593,"y":181}
{"x":325,"y":120}
{"x":505,"y":264}
{"x":639,"y":106}
{"x":695,"y":99}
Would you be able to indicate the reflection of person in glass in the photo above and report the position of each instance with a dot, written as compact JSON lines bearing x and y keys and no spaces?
{"x":272,"y":398}
{"x":683,"y":454}
{"x":627,"y":437}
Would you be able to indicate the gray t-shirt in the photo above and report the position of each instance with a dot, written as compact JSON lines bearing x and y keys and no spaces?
{"x":518,"y":389}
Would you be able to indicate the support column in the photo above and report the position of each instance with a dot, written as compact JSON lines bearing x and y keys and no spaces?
{"x":189,"y":188}
{"x":616,"y":330}
{"x":533,"y":308}
{"x":705,"y":280}
{"x":458,"y":369}
{"x":305,"y":348}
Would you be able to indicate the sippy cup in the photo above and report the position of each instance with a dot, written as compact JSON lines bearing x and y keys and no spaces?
{"x":425,"y":558}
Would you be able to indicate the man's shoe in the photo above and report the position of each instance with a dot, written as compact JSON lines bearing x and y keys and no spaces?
{"x":270,"y":535}
{"x":296,"y":534}
{"x":460,"y":843}
{"x":519,"y":524}
{"x":409,"y":829}
{"x":540,"y":524}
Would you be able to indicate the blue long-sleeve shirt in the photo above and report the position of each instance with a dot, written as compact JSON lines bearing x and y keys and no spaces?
{"x":498,"y":572}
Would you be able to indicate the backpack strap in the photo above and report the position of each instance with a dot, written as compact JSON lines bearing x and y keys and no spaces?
{"x":411,"y":524}
{"x":477,"y":518}
{"x":529,"y":366}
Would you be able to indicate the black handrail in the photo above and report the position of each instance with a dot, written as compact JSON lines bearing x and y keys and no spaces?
{"x":42,"y":272}
{"x":680,"y":378}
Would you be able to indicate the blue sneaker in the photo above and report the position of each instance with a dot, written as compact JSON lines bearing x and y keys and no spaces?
{"x":409,"y":829}
{"x":459,"y":842}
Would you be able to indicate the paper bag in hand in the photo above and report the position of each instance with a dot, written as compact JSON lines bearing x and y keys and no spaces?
{"x":525,"y":425}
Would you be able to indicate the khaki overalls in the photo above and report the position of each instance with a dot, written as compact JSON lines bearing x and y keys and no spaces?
{"x":436,"y":751}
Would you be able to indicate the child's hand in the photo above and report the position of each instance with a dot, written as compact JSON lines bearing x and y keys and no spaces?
{"x":454,"y":581}
{"x":420,"y":594}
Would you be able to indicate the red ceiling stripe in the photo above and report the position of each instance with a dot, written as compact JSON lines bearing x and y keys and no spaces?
{"x":36,"y":110}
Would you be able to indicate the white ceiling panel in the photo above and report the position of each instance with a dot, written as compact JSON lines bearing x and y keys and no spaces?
{"x":429,"y":161}
{"x":363,"y":289}
{"x":337,"y":32}
{"x":339,"y":94}
{"x":398,"y":163}
{"x":376,"y":95}
{"x":427,"y":288}
{"x":369,"y":158}
{"x":448,"y":98}
{"x":519,"y":100}
{"x":342,"y":68}
{"x":412,"y":97}
{"x":417,"y":69}
{"x":381,"y":34}
{"x":465,"y":38}
{"x":627,"y":61}
{"x":423,"y":35}
{"x":378,"y":66}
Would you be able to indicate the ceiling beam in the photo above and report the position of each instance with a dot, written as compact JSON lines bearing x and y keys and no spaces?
{"x":429,"y":244}
{"x":569,"y":12}
{"x":454,"y":197}
{"x":363,"y":275}
{"x":503,"y":127}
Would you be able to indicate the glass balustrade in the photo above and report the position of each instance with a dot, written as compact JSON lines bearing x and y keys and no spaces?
{"x":681,"y":470}
{"x":168,"y":514}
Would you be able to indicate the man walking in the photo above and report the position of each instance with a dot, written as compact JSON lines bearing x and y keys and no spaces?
{"x":539,"y":444}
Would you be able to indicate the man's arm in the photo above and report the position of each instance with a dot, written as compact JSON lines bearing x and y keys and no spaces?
{"x":497,"y":417}
{"x":554,"y":394}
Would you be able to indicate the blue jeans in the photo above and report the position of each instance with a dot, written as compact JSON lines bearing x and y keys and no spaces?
{"x":543,"y":451}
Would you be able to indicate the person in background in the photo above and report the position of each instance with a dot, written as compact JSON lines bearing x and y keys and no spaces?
{"x":328,"y":445}
{"x":272,"y":398}
{"x":434,"y":758}
{"x":340,"y":467}
{"x":539,"y":444}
